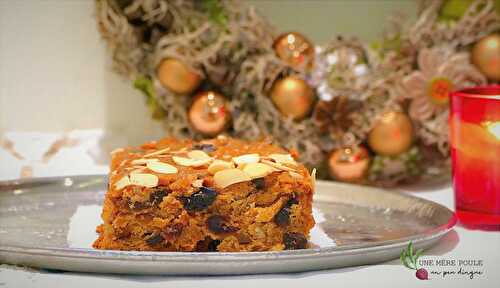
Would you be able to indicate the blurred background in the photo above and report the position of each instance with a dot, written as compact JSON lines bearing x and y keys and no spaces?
{"x":55,"y":75}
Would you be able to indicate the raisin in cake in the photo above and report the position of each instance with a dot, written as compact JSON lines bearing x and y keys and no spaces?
{"x":215,"y":195}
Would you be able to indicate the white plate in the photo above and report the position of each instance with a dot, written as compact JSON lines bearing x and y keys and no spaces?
{"x":50,"y":223}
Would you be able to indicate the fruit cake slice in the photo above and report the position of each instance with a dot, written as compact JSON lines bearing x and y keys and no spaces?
{"x":216,"y":195}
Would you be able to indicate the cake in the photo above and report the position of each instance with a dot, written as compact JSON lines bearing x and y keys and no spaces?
{"x":221,"y":194}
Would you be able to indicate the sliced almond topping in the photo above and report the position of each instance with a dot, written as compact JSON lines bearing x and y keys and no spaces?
{"x":143,"y":161}
{"x":191,"y":162}
{"x":198,"y":183}
{"x":117,"y":150}
{"x":219,"y":165}
{"x":278,"y":166}
{"x":160,"y":167}
{"x":246,"y":158}
{"x":313,"y":176}
{"x":283,"y":158}
{"x":144,"y":179}
{"x":257,"y":170}
{"x":122,"y":183}
{"x":295,"y":175}
{"x":228,"y":177}
{"x":139,"y":170}
{"x":197,"y":154}
{"x":159,"y":152}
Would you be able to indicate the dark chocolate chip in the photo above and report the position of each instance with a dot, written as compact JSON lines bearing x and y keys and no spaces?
{"x":217,"y":224}
{"x":212,"y":245}
{"x":200,"y":200}
{"x":156,"y":196}
{"x":205,"y":147}
{"x":154,"y":239}
{"x":259,"y":183}
{"x":293,"y":240}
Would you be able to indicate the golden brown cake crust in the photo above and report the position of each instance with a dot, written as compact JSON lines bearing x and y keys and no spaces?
{"x":216,"y":195}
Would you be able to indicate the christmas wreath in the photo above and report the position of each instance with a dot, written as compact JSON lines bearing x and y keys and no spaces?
{"x":367,"y":113}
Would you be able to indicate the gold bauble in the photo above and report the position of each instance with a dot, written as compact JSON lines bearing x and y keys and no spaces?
{"x":177,"y":76}
{"x":208,"y":113}
{"x":392,"y":134}
{"x":349,"y":164}
{"x":293,"y":97}
{"x":294,"y":49}
{"x":486,"y":56}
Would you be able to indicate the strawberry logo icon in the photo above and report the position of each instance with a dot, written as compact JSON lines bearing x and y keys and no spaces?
{"x":409,"y":260}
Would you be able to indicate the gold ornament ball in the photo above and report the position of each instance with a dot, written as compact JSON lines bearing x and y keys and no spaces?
{"x":392,"y":134}
{"x":293,"y":97}
{"x":177,"y":76}
{"x":208,"y":113}
{"x":486,"y":56}
{"x":349,"y":164}
{"x":294,"y":49}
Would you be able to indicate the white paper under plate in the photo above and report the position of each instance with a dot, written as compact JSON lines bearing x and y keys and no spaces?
{"x":50,"y":223}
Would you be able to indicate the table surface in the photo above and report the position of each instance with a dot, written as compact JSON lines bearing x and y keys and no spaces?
{"x":83,"y":149}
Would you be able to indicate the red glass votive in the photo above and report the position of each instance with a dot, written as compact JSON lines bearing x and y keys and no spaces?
{"x":475,"y":153}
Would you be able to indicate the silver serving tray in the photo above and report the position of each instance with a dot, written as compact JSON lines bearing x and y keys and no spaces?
{"x":50,"y":223}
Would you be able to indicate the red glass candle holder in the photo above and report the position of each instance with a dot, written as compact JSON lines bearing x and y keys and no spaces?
{"x":475,"y":153}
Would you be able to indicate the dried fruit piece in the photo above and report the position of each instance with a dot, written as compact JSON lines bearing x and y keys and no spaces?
{"x":246,"y":158}
{"x":259,"y":183}
{"x":293,"y":241}
{"x":212,"y":245}
{"x":257,"y":170}
{"x":219,"y":165}
{"x":156,"y":196}
{"x":122,"y":183}
{"x":200,"y":200}
{"x":198,"y":154}
{"x":189,"y":162}
{"x":282,"y":218}
{"x":218,"y":225}
{"x":154,"y":239}
{"x":161,"y":167}
{"x":228,"y":177}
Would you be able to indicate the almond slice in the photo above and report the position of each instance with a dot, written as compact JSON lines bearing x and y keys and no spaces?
{"x":246,"y":158}
{"x":295,"y":175}
{"x":283,"y":158}
{"x":198,"y":183}
{"x":257,"y":170}
{"x":142,"y":161}
{"x":278,"y":166}
{"x":191,"y":162}
{"x":161,"y":167}
{"x":219,"y":165}
{"x":159,"y":152}
{"x":144,"y":179}
{"x":228,"y":177}
{"x":122,"y":183}
{"x":197,"y":154}
{"x":313,"y":178}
